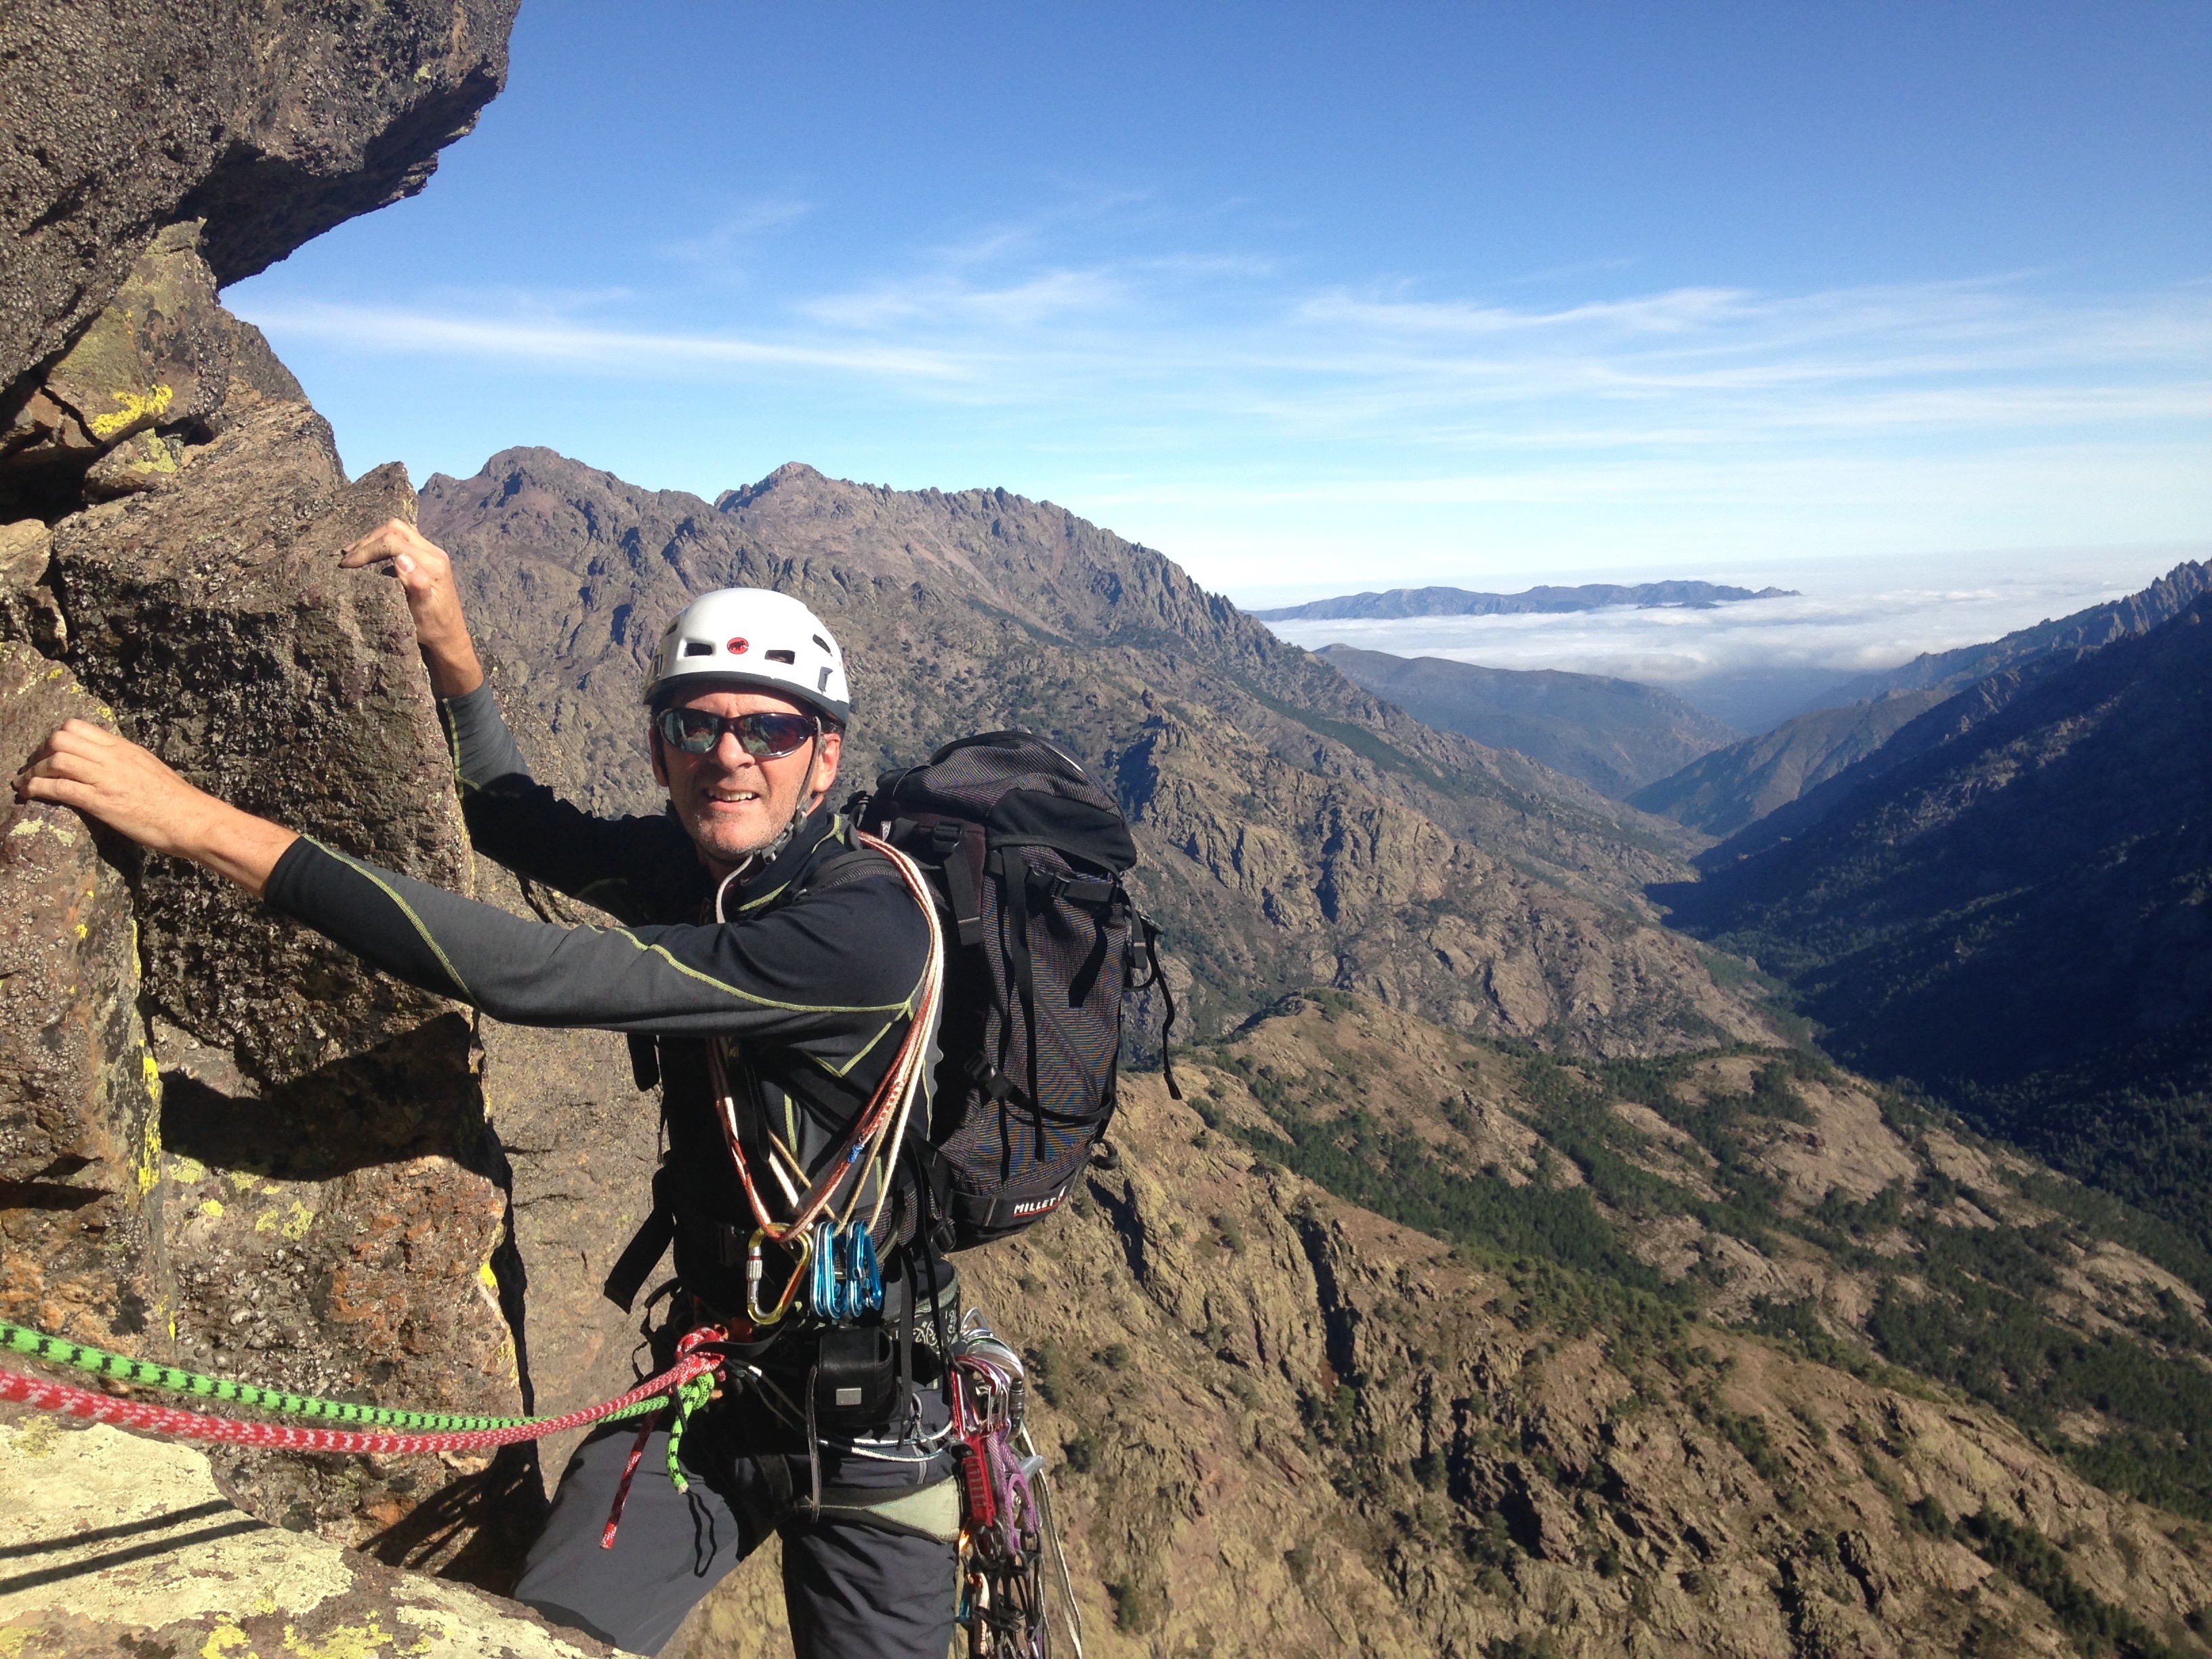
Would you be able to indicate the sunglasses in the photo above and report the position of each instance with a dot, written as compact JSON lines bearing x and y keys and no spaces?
{"x":763,"y":736}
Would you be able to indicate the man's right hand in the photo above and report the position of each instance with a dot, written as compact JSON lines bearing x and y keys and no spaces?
{"x":426,"y":576}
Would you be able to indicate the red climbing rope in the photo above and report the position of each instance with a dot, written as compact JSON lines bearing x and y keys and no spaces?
{"x":194,"y":1425}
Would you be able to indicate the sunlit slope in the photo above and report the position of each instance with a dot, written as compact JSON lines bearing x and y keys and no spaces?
{"x":1294,"y":828}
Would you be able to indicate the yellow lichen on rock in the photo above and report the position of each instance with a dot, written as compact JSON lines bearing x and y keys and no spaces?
{"x":116,"y":1545}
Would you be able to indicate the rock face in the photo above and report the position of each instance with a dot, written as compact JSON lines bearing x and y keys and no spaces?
{"x":163,"y":368}
{"x":293,"y":1181}
{"x":330,"y":1197}
{"x":1294,"y":828}
{"x":272,"y":125}
{"x":79,"y":1145}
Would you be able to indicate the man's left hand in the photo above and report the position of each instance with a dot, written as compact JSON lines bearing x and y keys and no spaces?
{"x":111,"y":778}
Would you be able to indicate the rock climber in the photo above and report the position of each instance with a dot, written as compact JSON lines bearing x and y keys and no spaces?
{"x":749,"y":913}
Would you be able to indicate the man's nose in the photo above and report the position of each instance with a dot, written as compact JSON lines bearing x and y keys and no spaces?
{"x":730,"y":753}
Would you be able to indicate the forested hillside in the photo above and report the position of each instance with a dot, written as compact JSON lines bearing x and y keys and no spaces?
{"x":2013,"y":912}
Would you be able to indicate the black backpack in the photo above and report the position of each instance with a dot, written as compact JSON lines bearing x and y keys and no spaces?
{"x":1026,"y":855}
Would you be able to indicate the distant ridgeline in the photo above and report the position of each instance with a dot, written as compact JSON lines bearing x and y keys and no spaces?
{"x":1818,"y":758}
{"x":1458,"y":602}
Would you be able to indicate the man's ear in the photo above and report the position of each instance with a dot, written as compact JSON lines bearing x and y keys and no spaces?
{"x":831,"y":751}
{"x":653,"y":742}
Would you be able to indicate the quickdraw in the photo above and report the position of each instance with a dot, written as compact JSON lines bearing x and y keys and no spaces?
{"x":840,"y":1250}
{"x":1005,"y":1506}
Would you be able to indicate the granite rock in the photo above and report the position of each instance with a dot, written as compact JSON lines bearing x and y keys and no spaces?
{"x":79,"y":1226}
{"x":272,"y":124}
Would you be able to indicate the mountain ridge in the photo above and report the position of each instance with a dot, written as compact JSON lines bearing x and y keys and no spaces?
{"x":1724,"y":792}
{"x":1542,"y":600}
{"x":1295,"y":827}
{"x":1615,"y":735}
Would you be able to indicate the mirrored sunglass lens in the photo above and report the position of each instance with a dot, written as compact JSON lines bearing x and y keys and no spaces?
{"x":690,"y":729}
{"x":765,"y":737}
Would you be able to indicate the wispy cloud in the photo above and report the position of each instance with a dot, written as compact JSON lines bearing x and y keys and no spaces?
{"x":735,"y":230}
{"x":555,"y":341}
{"x":1164,"y":374}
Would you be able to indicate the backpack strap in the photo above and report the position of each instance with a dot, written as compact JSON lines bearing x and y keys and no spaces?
{"x":654,"y":1236}
{"x":1150,"y":932}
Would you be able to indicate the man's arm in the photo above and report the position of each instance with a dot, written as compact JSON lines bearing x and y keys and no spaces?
{"x":128,"y":789}
{"x":825,"y":974}
{"x":513,"y":820}
{"x":426,"y":576}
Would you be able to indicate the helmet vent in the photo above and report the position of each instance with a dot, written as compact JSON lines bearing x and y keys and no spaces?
{"x":824,"y":644}
{"x":783,"y":656}
{"x":698,"y":648}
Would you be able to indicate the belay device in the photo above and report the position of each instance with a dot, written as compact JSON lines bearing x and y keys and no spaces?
{"x":1026,"y":855}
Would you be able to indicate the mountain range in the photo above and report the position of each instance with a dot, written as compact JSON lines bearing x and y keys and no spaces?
{"x":1296,"y":828}
{"x":1723,"y":791}
{"x":1614,"y":735}
{"x":1458,"y":602}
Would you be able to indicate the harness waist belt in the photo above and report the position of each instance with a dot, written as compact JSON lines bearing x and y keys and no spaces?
{"x":931,"y":1511}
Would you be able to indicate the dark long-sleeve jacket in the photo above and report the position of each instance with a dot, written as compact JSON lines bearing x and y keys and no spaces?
{"x":816,"y":972}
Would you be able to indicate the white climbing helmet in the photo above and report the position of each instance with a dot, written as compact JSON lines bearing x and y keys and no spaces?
{"x":753,"y":637}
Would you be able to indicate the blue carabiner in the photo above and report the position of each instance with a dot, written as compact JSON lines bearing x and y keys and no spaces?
{"x":822,"y":1296}
{"x":862,"y":1272}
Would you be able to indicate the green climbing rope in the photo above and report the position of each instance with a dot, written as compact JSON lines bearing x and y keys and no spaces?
{"x":100,"y":1362}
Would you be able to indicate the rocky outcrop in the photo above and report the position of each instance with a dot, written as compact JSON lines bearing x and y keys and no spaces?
{"x":163,"y":369}
{"x":293,"y":1180}
{"x":116,"y":1547}
{"x":329,"y":1198}
{"x":272,"y":125}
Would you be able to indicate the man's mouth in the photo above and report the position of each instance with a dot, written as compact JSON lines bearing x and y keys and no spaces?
{"x":731,"y":797}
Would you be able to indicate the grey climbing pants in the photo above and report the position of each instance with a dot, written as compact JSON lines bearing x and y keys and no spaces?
{"x":867,"y":1577}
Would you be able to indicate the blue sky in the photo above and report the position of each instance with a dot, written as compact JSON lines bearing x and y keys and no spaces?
{"x":1323,"y":298}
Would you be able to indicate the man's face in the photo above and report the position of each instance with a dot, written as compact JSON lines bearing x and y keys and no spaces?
{"x":732,"y":804}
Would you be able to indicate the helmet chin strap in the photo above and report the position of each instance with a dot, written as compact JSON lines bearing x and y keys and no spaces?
{"x":765,"y":854}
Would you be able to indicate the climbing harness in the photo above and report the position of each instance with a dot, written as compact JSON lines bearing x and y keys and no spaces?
{"x":1005,"y":1514}
{"x":840,"y":1247}
{"x":452,"y":1433}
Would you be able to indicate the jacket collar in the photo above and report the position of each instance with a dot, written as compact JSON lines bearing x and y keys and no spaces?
{"x":752,"y":888}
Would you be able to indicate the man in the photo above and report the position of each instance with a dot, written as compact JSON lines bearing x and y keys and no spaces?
{"x":767,"y":961}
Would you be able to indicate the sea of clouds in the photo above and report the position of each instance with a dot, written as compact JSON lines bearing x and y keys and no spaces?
{"x":1756,"y":663}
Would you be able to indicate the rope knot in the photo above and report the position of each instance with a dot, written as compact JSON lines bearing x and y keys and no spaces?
{"x":698,"y":1375}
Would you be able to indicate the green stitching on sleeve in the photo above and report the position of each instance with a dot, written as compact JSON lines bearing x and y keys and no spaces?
{"x":368,"y":872}
{"x":690,"y":972}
